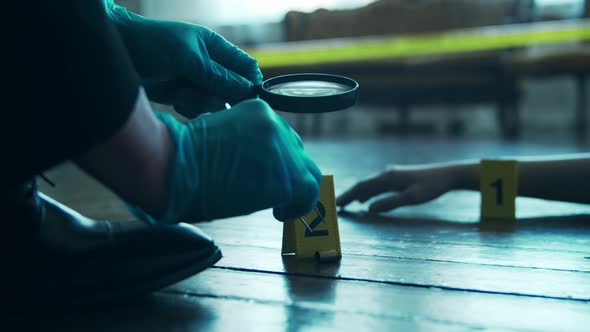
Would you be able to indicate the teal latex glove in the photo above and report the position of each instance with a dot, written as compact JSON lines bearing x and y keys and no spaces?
{"x":236,"y":162}
{"x":185,"y":65}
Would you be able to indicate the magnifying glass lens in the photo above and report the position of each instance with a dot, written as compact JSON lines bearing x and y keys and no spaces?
{"x":309,"y":89}
{"x":309,"y":92}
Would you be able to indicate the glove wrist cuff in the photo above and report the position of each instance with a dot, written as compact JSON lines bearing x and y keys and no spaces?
{"x":183,"y":179}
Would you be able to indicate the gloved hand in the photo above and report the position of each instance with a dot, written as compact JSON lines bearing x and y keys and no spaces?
{"x":236,"y":162}
{"x":185,"y":65}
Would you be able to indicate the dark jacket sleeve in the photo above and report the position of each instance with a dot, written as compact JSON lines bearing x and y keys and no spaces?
{"x":72,"y":83}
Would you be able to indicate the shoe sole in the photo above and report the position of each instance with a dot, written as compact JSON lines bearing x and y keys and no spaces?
{"x":144,"y":287}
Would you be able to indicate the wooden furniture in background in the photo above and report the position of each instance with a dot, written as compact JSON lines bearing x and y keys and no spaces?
{"x":570,"y":62}
{"x":388,"y":17}
{"x":452,"y":80}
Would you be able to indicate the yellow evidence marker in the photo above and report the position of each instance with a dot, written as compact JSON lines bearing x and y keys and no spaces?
{"x":315,"y":234}
{"x":499,"y":188}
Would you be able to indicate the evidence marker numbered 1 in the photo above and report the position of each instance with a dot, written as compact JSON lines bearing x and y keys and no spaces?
{"x":499,"y":188}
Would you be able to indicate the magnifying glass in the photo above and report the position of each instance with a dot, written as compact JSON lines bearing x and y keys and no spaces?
{"x":309,"y":93}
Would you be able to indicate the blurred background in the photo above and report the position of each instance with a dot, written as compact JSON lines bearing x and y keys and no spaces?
{"x":491,"y":69}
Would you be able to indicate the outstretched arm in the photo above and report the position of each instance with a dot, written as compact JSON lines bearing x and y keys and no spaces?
{"x":559,"y":177}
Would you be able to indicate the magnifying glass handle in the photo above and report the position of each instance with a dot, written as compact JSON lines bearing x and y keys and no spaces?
{"x":257,"y":91}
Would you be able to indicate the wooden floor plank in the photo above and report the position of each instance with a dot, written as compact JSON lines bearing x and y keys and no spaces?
{"x":426,"y":267}
{"x":219,"y":299}
{"x":418,"y":240}
{"x":478,"y":311}
{"x":462,"y":243}
{"x":171,"y":312}
{"x":444,"y":275}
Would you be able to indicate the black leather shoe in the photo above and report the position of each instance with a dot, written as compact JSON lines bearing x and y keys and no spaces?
{"x":71,"y":259}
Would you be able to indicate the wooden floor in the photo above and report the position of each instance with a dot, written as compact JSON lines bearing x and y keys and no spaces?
{"x":427,"y":267}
